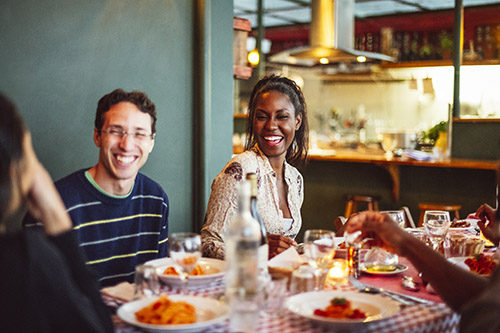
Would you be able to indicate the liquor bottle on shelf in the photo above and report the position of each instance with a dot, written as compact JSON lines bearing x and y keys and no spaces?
{"x":414,"y":47}
{"x":242,"y":261}
{"x":264,"y":246}
{"x":426,"y":51}
{"x":479,"y":41}
{"x":489,"y":47}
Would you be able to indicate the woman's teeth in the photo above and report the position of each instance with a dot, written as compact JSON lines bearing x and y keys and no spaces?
{"x":273,"y":139}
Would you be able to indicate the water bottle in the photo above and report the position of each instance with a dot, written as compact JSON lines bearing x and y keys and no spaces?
{"x":264,"y":246}
{"x":243,"y":240}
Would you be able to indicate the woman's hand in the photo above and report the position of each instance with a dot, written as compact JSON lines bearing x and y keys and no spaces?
{"x":44,"y":202}
{"x":278,"y":244}
{"x":488,"y":224}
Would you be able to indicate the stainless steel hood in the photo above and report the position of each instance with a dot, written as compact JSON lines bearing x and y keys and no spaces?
{"x":331,"y":37}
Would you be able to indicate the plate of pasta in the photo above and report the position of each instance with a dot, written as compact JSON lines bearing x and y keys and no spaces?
{"x":479,"y":263}
{"x":206,"y":272}
{"x":345,"y":310}
{"x":173,"y":313}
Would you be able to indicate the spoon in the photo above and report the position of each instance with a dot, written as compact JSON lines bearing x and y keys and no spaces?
{"x":410,"y":284}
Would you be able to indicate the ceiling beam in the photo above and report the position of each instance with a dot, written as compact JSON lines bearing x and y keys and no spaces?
{"x":411,"y":4}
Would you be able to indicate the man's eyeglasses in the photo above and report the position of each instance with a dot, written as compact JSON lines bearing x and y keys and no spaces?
{"x":119,"y":133}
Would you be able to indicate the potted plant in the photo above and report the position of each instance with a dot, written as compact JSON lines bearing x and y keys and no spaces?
{"x":446,"y":42}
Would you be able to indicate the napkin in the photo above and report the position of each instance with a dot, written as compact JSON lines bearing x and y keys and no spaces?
{"x":123,"y":291}
{"x":288,"y":259}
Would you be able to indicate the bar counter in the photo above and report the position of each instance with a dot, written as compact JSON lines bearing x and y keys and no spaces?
{"x":392,"y":165}
{"x":378,"y":157}
{"x":330,"y":174}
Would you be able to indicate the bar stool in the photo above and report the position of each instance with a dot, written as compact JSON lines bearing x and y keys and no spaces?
{"x":352,"y":200}
{"x":424,"y":206}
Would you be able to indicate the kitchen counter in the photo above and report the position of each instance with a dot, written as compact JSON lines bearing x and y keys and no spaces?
{"x":392,"y":165}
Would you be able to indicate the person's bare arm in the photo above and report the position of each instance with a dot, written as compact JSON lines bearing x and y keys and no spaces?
{"x":455,"y":285}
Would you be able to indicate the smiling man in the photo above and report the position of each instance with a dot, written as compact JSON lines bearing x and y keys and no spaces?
{"x":120,"y":215}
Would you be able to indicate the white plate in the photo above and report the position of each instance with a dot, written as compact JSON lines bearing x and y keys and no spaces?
{"x":460,"y":261}
{"x":472,"y":222}
{"x":399,"y":269}
{"x":214,"y":268}
{"x":376,"y":307}
{"x":208,"y":312}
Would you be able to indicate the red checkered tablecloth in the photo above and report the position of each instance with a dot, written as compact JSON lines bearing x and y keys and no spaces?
{"x":436,"y":317}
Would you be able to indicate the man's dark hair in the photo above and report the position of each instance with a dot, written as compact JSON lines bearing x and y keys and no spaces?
{"x":138,"y":98}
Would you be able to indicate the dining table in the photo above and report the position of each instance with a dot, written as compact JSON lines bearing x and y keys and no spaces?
{"x":432,"y":316}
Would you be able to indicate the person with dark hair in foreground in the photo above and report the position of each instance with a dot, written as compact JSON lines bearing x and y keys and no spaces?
{"x":45,"y":284}
{"x":120,"y":216}
{"x":277,"y":138}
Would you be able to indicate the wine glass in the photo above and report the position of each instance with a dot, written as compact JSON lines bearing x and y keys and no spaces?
{"x":436,"y":223}
{"x":319,"y":248}
{"x":388,"y":144}
{"x":397,"y":215}
{"x":185,"y":250}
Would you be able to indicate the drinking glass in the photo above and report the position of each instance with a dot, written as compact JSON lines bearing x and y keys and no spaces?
{"x":397,"y":215}
{"x":319,"y":248}
{"x":146,"y":283}
{"x":302,"y":280}
{"x":275,"y":292}
{"x":185,"y":251}
{"x":436,"y":223}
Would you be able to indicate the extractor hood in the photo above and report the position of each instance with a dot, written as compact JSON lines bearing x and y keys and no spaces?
{"x":331,"y":37}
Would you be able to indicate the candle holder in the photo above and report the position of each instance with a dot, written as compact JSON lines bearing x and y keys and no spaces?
{"x":338,"y":272}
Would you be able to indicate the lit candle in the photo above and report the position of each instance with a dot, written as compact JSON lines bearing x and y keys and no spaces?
{"x":337,"y":274}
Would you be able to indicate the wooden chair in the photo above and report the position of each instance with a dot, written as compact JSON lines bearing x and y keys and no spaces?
{"x":409,"y":219}
{"x":425,"y":206}
{"x":339,"y":224}
{"x":352,"y":202}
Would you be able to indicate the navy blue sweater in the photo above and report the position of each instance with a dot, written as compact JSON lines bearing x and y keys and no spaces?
{"x":116,"y":234}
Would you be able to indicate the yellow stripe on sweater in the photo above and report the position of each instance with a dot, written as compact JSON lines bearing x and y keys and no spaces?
{"x":119,"y":257}
{"x":114,"y":220}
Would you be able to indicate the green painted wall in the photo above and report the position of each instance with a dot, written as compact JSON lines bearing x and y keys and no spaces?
{"x":476,"y":140}
{"x":57,"y":58}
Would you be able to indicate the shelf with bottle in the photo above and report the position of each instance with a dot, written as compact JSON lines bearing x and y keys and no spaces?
{"x":240,"y":116}
{"x":426,"y":39}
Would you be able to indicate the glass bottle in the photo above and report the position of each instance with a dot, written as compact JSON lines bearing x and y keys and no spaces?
{"x":242,"y":274}
{"x":264,"y":246}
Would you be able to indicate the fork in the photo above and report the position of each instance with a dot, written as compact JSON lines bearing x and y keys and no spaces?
{"x":373,"y":290}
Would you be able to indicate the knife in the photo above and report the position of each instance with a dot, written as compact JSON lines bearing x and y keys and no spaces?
{"x":403,"y":298}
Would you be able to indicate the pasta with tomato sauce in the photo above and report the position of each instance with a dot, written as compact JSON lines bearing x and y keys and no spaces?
{"x":166,"y":312}
{"x":340,"y":308}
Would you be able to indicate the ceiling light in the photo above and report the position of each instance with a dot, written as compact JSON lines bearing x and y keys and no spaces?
{"x":361,"y":59}
{"x":253,"y":57}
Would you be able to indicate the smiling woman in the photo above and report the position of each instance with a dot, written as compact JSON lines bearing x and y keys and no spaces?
{"x":277,"y":132}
